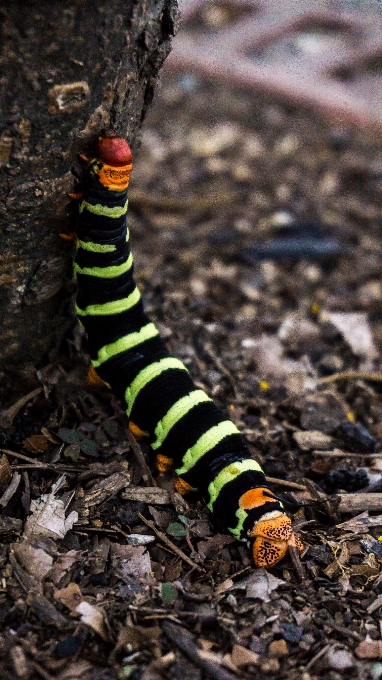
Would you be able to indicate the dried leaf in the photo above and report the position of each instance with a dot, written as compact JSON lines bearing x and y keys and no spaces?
{"x":355,"y":330}
{"x":34,"y":560}
{"x":48,"y":518}
{"x":259,"y":584}
{"x":36,"y":444}
{"x":70,"y":596}
{"x":5,"y":471}
{"x":78,"y":670}
{"x":131,"y":561}
{"x":63,"y":565}
{"x":94,"y":618}
{"x":361,"y":524}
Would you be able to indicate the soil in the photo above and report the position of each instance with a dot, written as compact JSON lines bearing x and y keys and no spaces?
{"x":256,"y":234}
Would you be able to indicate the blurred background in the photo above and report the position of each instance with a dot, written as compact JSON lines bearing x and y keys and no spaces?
{"x":256,"y":193}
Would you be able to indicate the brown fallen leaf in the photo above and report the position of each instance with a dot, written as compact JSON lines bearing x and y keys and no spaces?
{"x":132,"y":638}
{"x":36,"y":444}
{"x":93,"y":617}
{"x":5,"y":471}
{"x":70,"y":596}
{"x":34,"y":560}
{"x":62,"y":565}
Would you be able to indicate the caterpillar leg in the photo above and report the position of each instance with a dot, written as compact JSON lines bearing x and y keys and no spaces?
{"x":273,"y":535}
{"x":137,"y":432}
{"x":93,"y":378}
{"x":164,"y":464}
{"x":182,"y":487}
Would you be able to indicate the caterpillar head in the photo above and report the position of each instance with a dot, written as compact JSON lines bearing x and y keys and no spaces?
{"x":273,"y":535}
{"x":114,"y":150}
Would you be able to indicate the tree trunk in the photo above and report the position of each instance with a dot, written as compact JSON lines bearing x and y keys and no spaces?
{"x":68,"y":70}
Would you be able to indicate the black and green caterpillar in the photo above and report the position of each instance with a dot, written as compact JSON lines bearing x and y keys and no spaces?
{"x":183,"y":425}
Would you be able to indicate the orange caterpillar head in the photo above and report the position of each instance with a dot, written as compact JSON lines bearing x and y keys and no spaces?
{"x":273,"y":535}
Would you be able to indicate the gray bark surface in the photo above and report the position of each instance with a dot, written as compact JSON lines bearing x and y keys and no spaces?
{"x":68,"y":70}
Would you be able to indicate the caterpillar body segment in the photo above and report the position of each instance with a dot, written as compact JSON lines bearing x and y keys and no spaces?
{"x":183,"y":425}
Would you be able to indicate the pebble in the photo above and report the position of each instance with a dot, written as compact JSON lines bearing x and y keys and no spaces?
{"x":140,"y":539}
{"x":313,"y":439}
{"x":291,"y":632}
{"x":356,"y":437}
{"x":242,"y":657}
{"x":269,"y":665}
{"x":339,"y":659}
{"x":67,"y":648}
{"x":322,"y":411}
{"x":278,"y":648}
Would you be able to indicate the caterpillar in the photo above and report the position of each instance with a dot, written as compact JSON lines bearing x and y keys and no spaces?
{"x":183,"y":425}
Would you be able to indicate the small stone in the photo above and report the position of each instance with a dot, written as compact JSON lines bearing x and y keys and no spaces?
{"x":67,"y":648}
{"x":242,"y":657}
{"x":278,"y":648}
{"x":291,"y":632}
{"x":369,"y":649}
{"x":140,"y":539}
{"x":269,"y":665}
{"x":339,"y":659}
{"x":356,"y":437}
{"x":313,"y":439}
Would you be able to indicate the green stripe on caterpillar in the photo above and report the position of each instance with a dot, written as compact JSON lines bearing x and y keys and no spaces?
{"x":183,"y":425}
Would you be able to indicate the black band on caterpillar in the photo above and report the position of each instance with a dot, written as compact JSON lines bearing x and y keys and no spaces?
{"x":182,"y":424}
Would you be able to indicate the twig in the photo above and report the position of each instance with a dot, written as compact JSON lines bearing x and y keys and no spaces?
{"x":183,"y":639}
{"x":152,"y":495}
{"x":146,"y":474}
{"x":39,"y":463}
{"x":337,"y":453}
{"x":169,"y":543}
{"x":295,"y":557}
{"x":343,"y":630}
{"x":10,"y":490}
{"x":358,"y":502}
{"x":316,"y":657}
{"x":319,"y":496}
{"x":36,"y":466}
{"x":283,"y":482}
{"x":351,"y":375}
{"x":8,"y":416}
{"x":219,"y":365}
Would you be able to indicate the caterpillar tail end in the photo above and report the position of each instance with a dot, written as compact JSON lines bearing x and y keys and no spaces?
{"x":273,"y":535}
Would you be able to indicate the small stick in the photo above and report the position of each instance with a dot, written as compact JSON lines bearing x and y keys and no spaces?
{"x":283,"y":482}
{"x":342,"y":629}
{"x":316,"y":657}
{"x":10,"y":490}
{"x":169,"y":543}
{"x":295,"y":557}
{"x":146,"y":474}
{"x":183,"y":639}
{"x":39,"y":463}
{"x":351,"y":375}
{"x":358,"y":502}
{"x":337,"y":453}
{"x":8,"y":416}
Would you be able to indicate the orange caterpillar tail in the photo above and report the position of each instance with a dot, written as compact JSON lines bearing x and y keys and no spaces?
{"x":273,"y":535}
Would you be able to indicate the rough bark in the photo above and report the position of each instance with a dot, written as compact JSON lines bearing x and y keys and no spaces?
{"x":68,"y":69}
